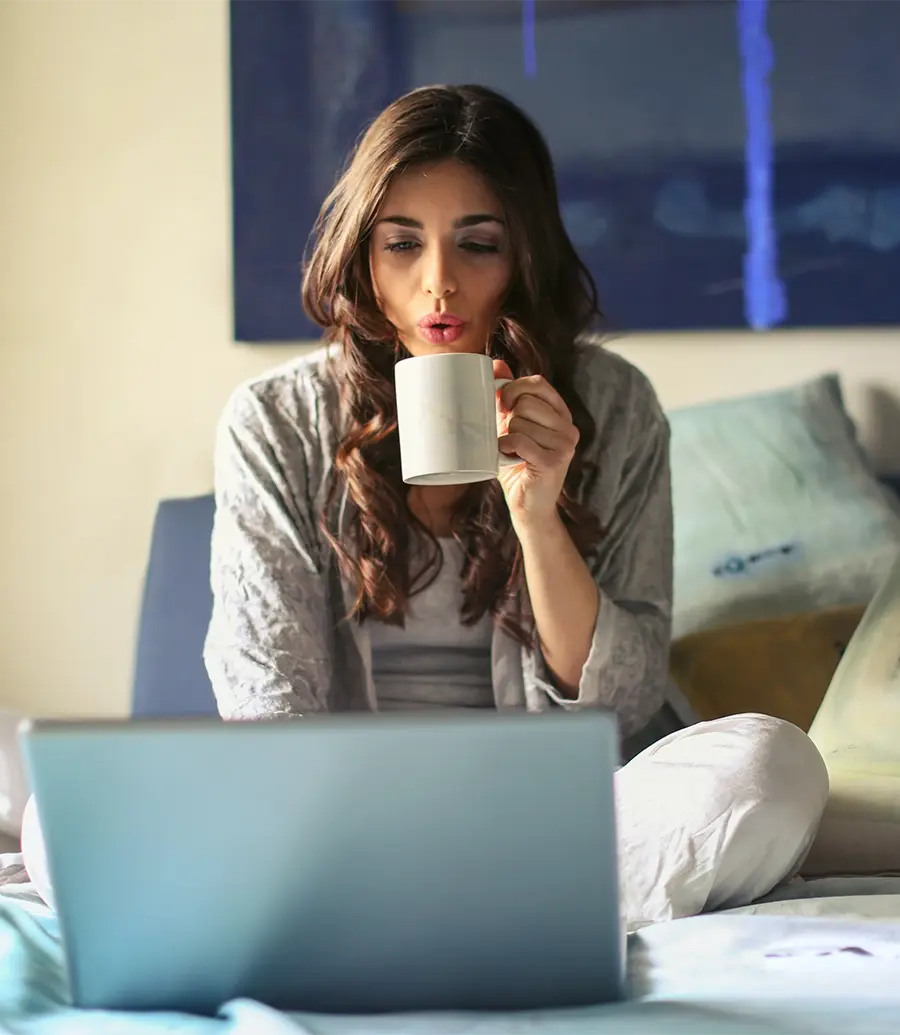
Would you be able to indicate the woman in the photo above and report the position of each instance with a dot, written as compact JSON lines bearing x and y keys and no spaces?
{"x":337,"y":587}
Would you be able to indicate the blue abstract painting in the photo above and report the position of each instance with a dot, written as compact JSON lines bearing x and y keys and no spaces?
{"x":721,"y":163}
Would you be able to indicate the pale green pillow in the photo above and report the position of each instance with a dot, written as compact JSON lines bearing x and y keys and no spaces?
{"x":776,"y":509}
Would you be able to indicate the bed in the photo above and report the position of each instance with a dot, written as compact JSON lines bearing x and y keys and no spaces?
{"x":814,"y":957}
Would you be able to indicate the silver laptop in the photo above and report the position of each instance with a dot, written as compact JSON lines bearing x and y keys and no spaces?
{"x":338,"y":864}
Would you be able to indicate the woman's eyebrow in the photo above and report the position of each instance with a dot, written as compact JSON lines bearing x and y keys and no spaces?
{"x":413,"y":224}
{"x":459,"y":224}
{"x":475,"y":220}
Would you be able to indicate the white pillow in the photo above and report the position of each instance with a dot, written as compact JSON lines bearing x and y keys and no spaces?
{"x":857,"y":730}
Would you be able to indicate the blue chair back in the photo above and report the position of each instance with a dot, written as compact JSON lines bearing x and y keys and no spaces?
{"x":170,"y":678}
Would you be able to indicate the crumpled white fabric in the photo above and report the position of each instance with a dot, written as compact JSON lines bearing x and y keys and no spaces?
{"x":715,"y":816}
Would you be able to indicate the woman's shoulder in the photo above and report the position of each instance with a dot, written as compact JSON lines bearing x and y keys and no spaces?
{"x":616,"y":392}
{"x":297,"y":397}
{"x":288,"y":417}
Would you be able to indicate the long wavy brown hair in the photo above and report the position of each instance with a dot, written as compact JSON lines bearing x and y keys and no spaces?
{"x":382,"y":548}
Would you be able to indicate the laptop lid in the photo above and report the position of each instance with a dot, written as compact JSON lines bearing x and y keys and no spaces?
{"x":353,"y":864}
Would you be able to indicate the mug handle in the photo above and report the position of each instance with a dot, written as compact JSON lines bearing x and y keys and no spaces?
{"x":506,"y":460}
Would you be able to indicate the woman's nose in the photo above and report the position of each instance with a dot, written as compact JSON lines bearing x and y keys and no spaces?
{"x":438,"y":278}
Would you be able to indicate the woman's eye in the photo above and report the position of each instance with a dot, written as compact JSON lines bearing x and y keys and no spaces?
{"x":400,"y":246}
{"x":480,"y":247}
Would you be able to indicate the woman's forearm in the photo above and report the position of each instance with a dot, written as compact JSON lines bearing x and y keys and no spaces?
{"x":564,"y":600}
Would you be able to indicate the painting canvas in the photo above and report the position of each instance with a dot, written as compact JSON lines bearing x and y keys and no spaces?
{"x":695,"y":141}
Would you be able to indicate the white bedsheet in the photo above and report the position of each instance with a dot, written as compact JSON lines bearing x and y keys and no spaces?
{"x":827,"y":965}
{"x":773,"y":973}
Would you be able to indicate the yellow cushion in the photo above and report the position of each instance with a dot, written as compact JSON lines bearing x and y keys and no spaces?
{"x":777,"y":666}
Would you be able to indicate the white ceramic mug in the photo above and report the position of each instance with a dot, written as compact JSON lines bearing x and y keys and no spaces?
{"x":447,"y":418}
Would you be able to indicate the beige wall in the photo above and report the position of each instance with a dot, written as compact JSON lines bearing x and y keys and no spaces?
{"x":115,"y":341}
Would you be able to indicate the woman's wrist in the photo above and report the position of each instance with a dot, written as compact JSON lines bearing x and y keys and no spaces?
{"x":538,"y":529}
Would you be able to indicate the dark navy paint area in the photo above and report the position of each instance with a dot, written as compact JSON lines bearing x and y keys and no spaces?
{"x":656,"y":270}
{"x":297,"y":106}
{"x":643,"y":108}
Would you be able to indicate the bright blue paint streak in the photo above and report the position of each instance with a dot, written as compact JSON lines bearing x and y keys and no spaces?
{"x":765,"y":299}
{"x":529,"y":45}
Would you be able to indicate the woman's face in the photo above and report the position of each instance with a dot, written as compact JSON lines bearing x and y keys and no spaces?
{"x":439,"y":259}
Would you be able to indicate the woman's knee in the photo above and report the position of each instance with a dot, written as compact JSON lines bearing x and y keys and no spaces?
{"x":778,"y":803}
{"x":778,"y":764}
{"x":742,"y":755}
{"x":778,"y":787}
{"x":726,"y":809}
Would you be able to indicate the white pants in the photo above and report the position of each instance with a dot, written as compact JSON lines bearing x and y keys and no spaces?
{"x":714,"y":815}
